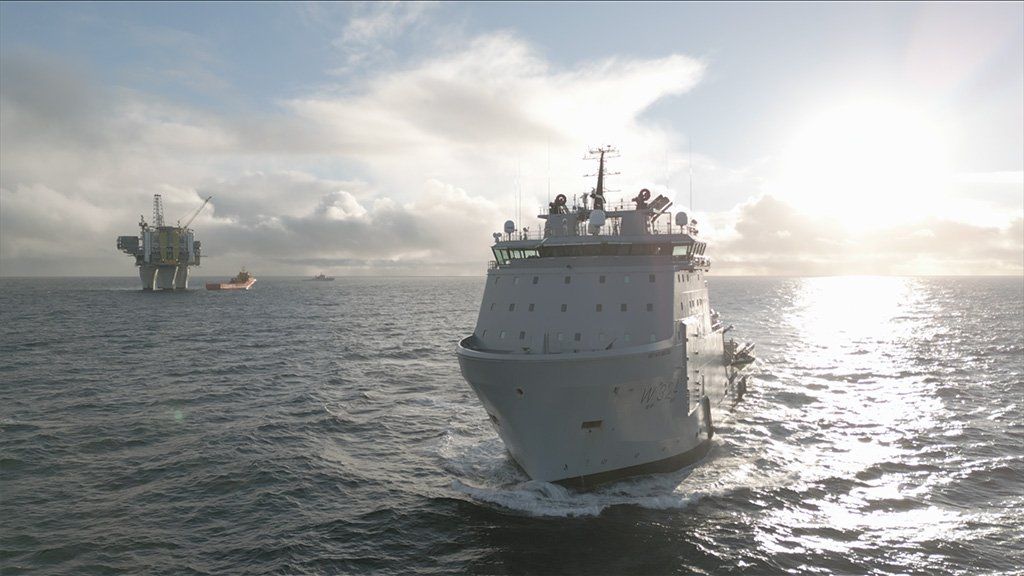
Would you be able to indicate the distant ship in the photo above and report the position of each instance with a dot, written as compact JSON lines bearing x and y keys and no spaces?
{"x":596,"y":353}
{"x":322,"y":278}
{"x":163,"y":253}
{"x":243,"y":281}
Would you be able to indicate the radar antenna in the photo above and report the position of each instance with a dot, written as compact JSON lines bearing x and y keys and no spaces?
{"x":599,"y":154}
{"x":158,"y":210}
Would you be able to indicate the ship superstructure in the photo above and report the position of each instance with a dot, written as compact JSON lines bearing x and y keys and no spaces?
{"x":596,"y":353}
{"x":163,"y":253}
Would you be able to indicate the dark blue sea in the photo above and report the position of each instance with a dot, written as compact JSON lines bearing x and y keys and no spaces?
{"x":323,"y":428}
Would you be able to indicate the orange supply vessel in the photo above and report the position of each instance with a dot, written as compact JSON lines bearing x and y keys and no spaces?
{"x":243,"y":281}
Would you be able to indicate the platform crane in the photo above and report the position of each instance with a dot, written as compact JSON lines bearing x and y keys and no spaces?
{"x":196,"y":213}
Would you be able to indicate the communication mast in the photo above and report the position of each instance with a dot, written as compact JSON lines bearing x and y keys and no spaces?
{"x":599,"y":154}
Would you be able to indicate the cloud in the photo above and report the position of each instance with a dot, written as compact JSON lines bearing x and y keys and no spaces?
{"x":406,"y":170}
{"x":428,"y":232}
{"x":416,"y":165}
{"x":770,"y":236}
{"x":472,"y":115}
{"x":372,"y":28}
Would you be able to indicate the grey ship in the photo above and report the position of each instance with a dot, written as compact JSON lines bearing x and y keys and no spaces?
{"x":596,"y":353}
{"x":163,"y":253}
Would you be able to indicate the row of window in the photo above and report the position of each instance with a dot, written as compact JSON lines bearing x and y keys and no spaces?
{"x":563,"y":336}
{"x":504,"y":255}
{"x":597,"y":307}
{"x":602,"y":279}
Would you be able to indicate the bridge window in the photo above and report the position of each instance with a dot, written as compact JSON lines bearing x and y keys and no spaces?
{"x":625,"y":279}
{"x":627,"y":337}
{"x":492,"y":306}
{"x":682,"y":250}
{"x":650,"y":307}
{"x":577,"y":337}
{"x":502,"y":335}
{"x":599,"y":307}
{"x":515,"y":279}
{"x":531,"y":307}
{"x":568,"y":279}
{"x":561,"y":337}
{"x":511,"y":307}
{"x":650,"y":278}
{"x":624,"y":307}
{"x":535,"y":279}
{"x":522,"y":335}
{"x":564,"y":307}
{"x":600,"y":279}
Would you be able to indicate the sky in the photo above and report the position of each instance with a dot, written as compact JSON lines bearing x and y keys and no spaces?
{"x":395,"y":138}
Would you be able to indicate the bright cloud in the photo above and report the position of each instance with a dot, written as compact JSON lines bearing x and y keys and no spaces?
{"x":405,"y":160}
{"x":436,"y":151}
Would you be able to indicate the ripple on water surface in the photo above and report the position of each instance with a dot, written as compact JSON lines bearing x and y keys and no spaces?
{"x":310,"y":427}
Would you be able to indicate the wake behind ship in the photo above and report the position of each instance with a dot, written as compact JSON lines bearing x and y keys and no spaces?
{"x":596,"y":353}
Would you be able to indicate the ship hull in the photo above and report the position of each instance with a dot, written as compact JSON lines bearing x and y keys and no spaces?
{"x":230,"y":286}
{"x":589,"y":418}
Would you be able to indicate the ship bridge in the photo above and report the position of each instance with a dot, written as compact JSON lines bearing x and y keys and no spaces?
{"x":584,"y":231}
{"x":595,"y":279}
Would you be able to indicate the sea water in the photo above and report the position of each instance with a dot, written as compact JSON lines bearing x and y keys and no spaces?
{"x":323,"y":427}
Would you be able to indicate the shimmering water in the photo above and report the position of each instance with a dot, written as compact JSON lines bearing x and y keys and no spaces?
{"x":324,"y":428}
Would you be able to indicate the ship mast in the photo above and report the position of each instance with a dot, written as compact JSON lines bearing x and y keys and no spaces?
{"x":599,"y":154}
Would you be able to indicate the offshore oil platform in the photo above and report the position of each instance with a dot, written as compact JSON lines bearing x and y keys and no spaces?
{"x":163,"y":253}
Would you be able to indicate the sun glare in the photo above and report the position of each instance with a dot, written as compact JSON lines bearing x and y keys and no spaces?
{"x":867,"y":162}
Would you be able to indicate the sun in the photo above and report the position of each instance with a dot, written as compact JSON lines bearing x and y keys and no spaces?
{"x":867,"y":162}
